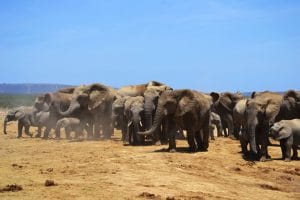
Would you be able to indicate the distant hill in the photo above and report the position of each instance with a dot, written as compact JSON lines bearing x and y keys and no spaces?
{"x":29,"y":88}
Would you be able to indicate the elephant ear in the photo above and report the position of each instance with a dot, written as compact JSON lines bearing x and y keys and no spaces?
{"x":215,"y":96}
{"x":48,"y":98}
{"x":253,"y":95}
{"x":186,"y":103}
{"x":19,"y":114}
{"x":68,"y":90}
{"x":271,"y":110}
{"x":284,"y":133}
{"x":98,"y":94}
{"x":227,"y":102}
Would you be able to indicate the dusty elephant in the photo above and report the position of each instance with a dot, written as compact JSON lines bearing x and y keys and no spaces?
{"x":134,"y":112}
{"x":288,"y":133}
{"x":118,"y":115}
{"x":25,"y":118}
{"x":215,"y":120}
{"x":93,"y":104}
{"x":70,"y":124}
{"x":187,"y":110}
{"x":223,"y":106}
{"x":53,"y":103}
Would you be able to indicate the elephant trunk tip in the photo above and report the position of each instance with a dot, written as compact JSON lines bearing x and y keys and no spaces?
{"x":149,"y":132}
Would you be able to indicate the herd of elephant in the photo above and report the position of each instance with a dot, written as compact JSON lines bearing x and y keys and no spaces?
{"x":157,"y":113}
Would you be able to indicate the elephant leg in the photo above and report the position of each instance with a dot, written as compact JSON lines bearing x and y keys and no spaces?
{"x":172,"y":134}
{"x":283,"y":149}
{"x":27,"y":132}
{"x":244,"y":144}
{"x":264,"y":145}
{"x":211,"y":132}
{"x":219,"y":129}
{"x":191,"y":140}
{"x":97,"y":129}
{"x":199,"y":139}
{"x":68,"y":133}
{"x":39,"y":132}
{"x":288,"y":146}
{"x":229,"y":122}
{"x":46,"y":133}
{"x":295,"y":153}
{"x":57,"y":133}
{"x":20,"y":129}
{"x":205,"y":134}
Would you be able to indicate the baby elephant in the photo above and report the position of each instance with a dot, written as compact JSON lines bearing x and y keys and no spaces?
{"x":25,"y":118}
{"x":288,"y":133}
{"x":70,"y":124}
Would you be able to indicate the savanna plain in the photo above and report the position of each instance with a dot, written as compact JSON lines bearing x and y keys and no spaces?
{"x":106,"y":169}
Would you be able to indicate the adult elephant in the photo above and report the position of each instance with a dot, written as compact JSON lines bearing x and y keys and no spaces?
{"x":134,"y":113}
{"x":93,"y":103}
{"x":185,"y":109}
{"x":261,"y":112}
{"x":290,"y":107}
{"x":53,"y":103}
{"x":223,"y":106}
{"x":138,"y":90}
{"x":118,"y":115}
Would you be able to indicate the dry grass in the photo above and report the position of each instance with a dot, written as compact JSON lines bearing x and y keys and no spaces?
{"x":109,"y":170}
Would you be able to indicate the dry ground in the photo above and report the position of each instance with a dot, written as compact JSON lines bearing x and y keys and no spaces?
{"x":109,"y":170}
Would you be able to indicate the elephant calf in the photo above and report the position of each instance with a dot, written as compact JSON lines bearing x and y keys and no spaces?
{"x":70,"y":124}
{"x":215,"y":119}
{"x":25,"y":118}
{"x":288,"y":133}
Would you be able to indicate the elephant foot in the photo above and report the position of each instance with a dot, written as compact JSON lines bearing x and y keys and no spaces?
{"x":294,"y":157}
{"x":19,"y":136}
{"x":45,"y":138}
{"x":37,"y":136}
{"x":232,"y":137}
{"x":287,"y":160}
{"x":263,"y":159}
{"x":157,"y":143}
{"x":172,"y":150}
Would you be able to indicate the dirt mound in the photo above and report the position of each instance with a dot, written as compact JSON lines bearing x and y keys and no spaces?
{"x":11,"y":188}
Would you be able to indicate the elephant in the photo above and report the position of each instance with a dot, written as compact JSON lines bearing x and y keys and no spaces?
{"x":215,"y":119}
{"x":53,"y":103}
{"x":25,"y":118}
{"x":288,"y":133}
{"x":290,"y":107}
{"x":187,"y":110}
{"x":261,"y":112}
{"x":118,"y":115}
{"x":41,"y":119}
{"x":239,"y":122}
{"x":70,"y":124}
{"x":93,"y":105}
{"x":223,"y":106}
{"x":134,"y":113}
{"x":138,"y":90}
{"x":151,"y":99}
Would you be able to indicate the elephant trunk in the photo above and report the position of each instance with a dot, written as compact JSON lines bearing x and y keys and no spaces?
{"x":4,"y":126}
{"x":148,"y":113}
{"x":159,"y":115}
{"x":74,"y":106}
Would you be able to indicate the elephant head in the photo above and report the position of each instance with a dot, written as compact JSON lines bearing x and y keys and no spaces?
{"x":290,"y":107}
{"x":261,"y":111}
{"x":225,"y":102}
{"x":279,"y":131}
{"x":88,"y":97}
{"x":118,"y":109}
{"x":172,"y":103}
{"x":13,"y":115}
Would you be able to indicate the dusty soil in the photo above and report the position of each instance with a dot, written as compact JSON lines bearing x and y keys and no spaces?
{"x":108,"y":170}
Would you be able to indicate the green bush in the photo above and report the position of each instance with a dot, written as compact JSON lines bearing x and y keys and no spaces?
{"x":15,"y":100}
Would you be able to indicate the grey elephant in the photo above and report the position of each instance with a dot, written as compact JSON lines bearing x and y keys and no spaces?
{"x":262,"y":111}
{"x":70,"y":124}
{"x":215,"y":120}
{"x":93,"y":104}
{"x":25,"y":118}
{"x":223,"y":106}
{"x":118,"y":115}
{"x":187,"y":110}
{"x":41,"y":119}
{"x":53,"y":103}
{"x":134,"y":112}
{"x":288,"y":133}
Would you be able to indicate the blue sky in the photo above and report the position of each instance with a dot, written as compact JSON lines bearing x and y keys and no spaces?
{"x":205,"y":45}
